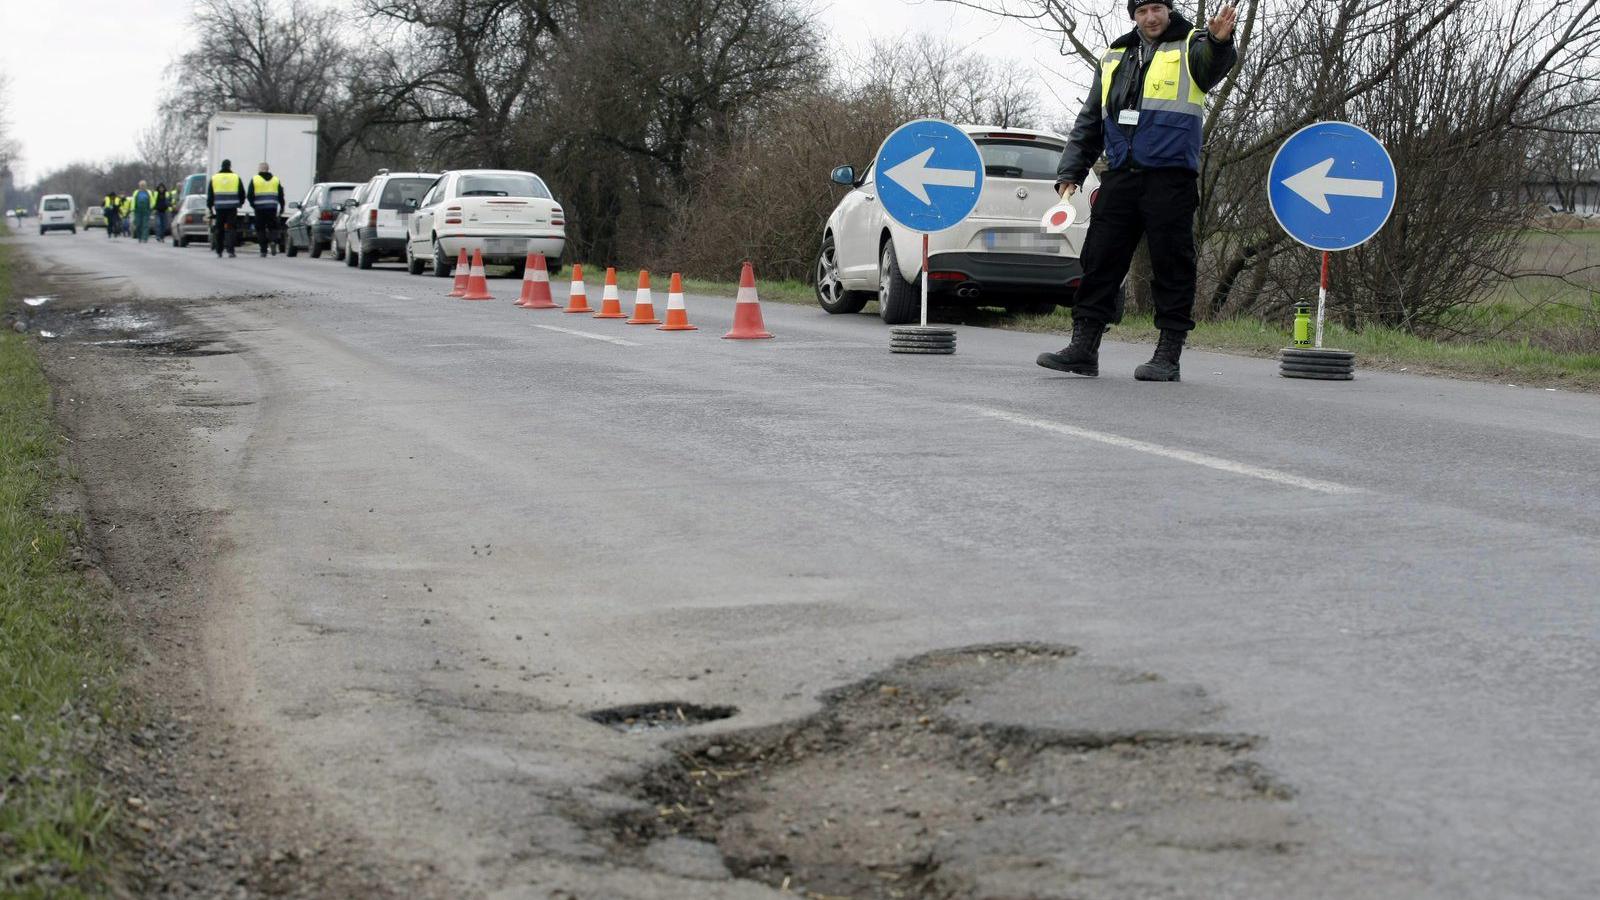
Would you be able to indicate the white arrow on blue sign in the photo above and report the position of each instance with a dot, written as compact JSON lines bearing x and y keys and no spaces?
{"x":1331,"y":186}
{"x":930,"y":175}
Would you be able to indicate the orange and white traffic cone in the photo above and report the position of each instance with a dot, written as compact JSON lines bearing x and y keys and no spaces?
{"x":747,"y":324}
{"x":677,"y":314}
{"x":460,"y":286}
{"x":536,"y":284}
{"x":477,"y":281}
{"x":644,"y":304}
{"x":610,"y":301}
{"x":578,"y":297}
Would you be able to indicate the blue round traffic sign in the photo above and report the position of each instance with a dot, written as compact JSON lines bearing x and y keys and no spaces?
{"x":929,"y":175}
{"x":1331,"y":186}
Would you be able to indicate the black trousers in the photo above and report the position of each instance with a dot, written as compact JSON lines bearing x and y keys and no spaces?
{"x":1159,"y":205}
{"x":267,"y":232}
{"x":227,"y":224}
{"x":113,"y":224}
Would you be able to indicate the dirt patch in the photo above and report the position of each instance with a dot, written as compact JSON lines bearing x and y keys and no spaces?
{"x":199,"y":815}
{"x":644,"y":718}
{"x":915,"y":783}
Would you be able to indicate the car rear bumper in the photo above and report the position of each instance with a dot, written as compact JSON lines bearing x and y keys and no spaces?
{"x":375,"y":245}
{"x":978,"y":276}
{"x":503,"y":249}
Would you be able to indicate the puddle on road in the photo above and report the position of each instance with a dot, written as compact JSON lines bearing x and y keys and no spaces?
{"x":36,"y":301}
{"x":646,"y":718}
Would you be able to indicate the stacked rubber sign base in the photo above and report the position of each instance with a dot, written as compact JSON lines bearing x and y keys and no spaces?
{"x":1318,"y":364}
{"x":472,"y":284}
{"x":928,"y":339}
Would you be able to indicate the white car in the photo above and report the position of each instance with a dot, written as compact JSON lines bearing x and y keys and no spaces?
{"x":503,"y":214}
{"x":58,"y":212}
{"x":376,"y":227}
{"x":999,"y":256}
{"x":344,"y":223}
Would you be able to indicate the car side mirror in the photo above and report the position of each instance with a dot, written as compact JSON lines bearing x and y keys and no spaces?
{"x":845,"y":175}
{"x":294,"y":204}
{"x":411,"y":203}
{"x":348,"y":204}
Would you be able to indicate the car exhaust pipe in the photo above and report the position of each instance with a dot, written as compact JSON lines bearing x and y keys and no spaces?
{"x":968,"y":291}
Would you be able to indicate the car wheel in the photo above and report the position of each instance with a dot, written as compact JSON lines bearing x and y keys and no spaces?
{"x":350,"y":256}
{"x":830,"y":290}
{"x":316,"y":249}
{"x":292,"y":249}
{"x":365,"y":260}
{"x":442,"y":268}
{"x":338,"y":250}
{"x":899,"y":301}
{"x":180,"y":242}
{"x":74,"y":230}
{"x":413,"y":265}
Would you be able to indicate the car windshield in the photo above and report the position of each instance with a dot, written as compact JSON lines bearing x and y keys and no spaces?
{"x":502,"y":184}
{"x":194,"y":184}
{"x":1019,"y":159}
{"x":338,"y":195}
{"x":399,"y":190}
{"x":57,"y":204}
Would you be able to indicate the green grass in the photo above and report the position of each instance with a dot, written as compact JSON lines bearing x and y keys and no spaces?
{"x":57,"y":657}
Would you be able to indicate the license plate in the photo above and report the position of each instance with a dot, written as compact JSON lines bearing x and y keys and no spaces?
{"x":503,"y":245}
{"x":1024,"y":241}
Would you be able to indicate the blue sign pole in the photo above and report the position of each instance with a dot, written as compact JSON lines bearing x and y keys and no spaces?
{"x":1331,"y":186}
{"x":930,"y":175}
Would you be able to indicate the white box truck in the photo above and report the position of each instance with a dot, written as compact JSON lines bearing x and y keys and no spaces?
{"x":286,"y":142}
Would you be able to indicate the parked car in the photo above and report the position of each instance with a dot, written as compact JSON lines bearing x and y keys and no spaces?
{"x":344,"y":222}
{"x":311,"y":227}
{"x":191,"y":222}
{"x":1000,"y":256}
{"x":503,"y":214}
{"x":378,"y":229}
{"x":58,"y":212}
{"x":93,"y":217}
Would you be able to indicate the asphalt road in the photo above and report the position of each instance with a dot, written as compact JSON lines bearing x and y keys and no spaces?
{"x":1393,"y":581}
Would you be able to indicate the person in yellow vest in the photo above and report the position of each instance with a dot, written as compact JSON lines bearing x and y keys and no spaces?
{"x":224,"y":196}
{"x":112,"y":207}
{"x":1146,"y":111}
{"x":266,"y":198}
{"x":127,"y":214}
{"x":143,"y":202}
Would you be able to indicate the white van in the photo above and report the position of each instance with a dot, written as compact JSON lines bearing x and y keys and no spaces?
{"x":57,"y":212}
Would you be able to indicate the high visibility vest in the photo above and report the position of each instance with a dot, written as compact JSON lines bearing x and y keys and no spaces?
{"x":143,"y":201}
{"x":225,"y":190}
{"x":1172,"y":111}
{"x":266,"y":190}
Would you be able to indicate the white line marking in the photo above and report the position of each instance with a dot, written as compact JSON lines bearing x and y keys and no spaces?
{"x":1188,"y":456}
{"x":590,"y":335}
{"x":435,"y":346}
{"x":400,"y":297}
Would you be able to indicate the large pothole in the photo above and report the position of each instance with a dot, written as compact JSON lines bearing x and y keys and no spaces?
{"x":965,"y":774}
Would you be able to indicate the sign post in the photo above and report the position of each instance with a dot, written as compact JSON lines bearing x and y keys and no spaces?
{"x":1332,"y":186}
{"x":930,"y":175}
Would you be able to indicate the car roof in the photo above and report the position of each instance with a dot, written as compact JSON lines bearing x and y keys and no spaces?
{"x":1002,"y":131}
{"x":491,"y":172}
{"x":406,"y":175}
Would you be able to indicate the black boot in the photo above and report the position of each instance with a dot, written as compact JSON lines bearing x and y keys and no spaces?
{"x":1163,"y":365}
{"x":1082,"y":356}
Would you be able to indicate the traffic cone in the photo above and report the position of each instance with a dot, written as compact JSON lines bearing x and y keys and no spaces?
{"x":477,"y":281}
{"x":577,"y":297}
{"x":610,"y":302}
{"x":461,"y":275}
{"x":747,"y":324}
{"x":677,"y":315}
{"x":536,"y":284}
{"x":644,"y":305}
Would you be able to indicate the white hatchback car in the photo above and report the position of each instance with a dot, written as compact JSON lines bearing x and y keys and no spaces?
{"x":376,"y":227}
{"x":999,"y":256}
{"x":58,"y":212}
{"x":502,"y":213}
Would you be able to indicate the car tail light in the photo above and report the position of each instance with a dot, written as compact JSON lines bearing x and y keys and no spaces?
{"x":1092,"y":195}
{"x":327,"y":215}
{"x":558,"y":221}
{"x":1073,"y":284}
{"x":372,"y":218}
{"x":947,"y":276}
{"x":452,"y":215}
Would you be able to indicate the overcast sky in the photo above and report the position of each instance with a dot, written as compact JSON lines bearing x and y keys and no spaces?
{"x":86,"y":75}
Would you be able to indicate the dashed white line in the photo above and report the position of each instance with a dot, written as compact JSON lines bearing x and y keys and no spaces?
{"x":590,"y":335}
{"x":401,"y":297}
{"x":1188,"y":456}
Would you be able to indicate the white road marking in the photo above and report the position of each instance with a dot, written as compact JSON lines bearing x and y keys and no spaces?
{"x":401,"y":297}
{"x":1188,"y":456}
{"x":590,"y":335}
{"x":436,"y":346}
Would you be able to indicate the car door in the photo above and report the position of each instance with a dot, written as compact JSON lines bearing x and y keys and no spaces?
{"x":856,"y":245}
{"x":422,"y":220}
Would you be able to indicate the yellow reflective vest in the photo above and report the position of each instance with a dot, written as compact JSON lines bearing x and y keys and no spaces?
{"x":225,"y":190}
{"x":1172,"y":110}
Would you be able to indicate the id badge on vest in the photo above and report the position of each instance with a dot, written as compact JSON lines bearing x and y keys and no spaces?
{"x":1128,"y":117}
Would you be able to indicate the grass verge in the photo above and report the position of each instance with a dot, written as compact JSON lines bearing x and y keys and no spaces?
{"x":1514,"y":361}
{"x":58,"y":690}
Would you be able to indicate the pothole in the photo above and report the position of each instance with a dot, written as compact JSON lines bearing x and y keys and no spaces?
{"x":907,"y":785}
{"x":170,"y":347}
{"x":642,"y":718}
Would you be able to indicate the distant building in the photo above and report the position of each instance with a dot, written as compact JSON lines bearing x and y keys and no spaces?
{"x":1579,"y":194}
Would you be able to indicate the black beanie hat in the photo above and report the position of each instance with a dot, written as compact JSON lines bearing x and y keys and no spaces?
{"x":1135,"y":4}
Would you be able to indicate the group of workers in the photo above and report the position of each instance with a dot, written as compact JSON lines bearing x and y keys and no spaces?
{"x":133,"y":214}
{"x":227,"y":193}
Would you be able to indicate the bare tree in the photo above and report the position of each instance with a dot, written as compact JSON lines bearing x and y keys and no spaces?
{"x":168,"y":150}
{"x":9,"y":149}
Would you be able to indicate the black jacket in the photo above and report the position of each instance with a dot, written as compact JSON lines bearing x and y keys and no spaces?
{"x":1209,"y":61}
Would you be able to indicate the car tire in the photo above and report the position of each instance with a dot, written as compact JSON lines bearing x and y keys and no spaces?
{"x":338,"y":251}
{"x":316,"y":250}
{"x":442,"y":268}
{"x":350,"y":256}
{"x":292,"y":250}
{"x":180,"y":241}
{"x":365,"y":260}
{"x":414,"y":266}
{"x":74,"y":230}
{"x":899,"y":300}
{"x":831,"y":293}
